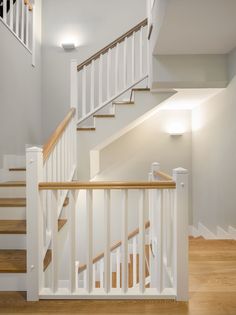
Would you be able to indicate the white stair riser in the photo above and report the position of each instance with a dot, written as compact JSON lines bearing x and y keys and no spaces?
{"x":13,"y":282}
{"x":12,"y":192}
{"x":14,"y":176}
{"x":14,"y":213}
{"x":13,"y":241}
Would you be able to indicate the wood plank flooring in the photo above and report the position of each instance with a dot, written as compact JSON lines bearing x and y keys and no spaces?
{"x":212,"y":290}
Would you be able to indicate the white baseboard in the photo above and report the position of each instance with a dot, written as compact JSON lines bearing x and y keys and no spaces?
{"x":222,"y":234}
{"x":204,"y":232}
{"x":232,"y":231}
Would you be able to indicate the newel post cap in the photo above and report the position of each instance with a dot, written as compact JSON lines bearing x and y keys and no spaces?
{"x":34,"y":149}
{"x":180,"y":170}
{"x":155,"y":167}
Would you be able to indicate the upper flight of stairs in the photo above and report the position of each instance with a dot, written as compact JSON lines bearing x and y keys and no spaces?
{"x":123,"y":115}
{"x":13,"y":231}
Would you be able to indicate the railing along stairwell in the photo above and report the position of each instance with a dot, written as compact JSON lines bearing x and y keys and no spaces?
{"x":18,"y":17}
{"x":112,"y":71}
{"x":150,"y":261}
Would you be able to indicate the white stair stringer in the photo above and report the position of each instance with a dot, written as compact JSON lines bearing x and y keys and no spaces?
{"x":221,"y":233}
{"x":107,"y":130}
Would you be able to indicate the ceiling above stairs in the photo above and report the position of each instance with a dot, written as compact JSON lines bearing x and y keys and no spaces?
{"x":198,"y":27}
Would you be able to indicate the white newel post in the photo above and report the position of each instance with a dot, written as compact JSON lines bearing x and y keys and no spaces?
{"x":180,"y":176}
{"x":34,"y":218}
{"x":73,"y":84}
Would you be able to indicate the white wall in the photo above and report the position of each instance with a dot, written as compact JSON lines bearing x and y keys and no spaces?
{"x":93,"y":24}
{"x":20,"y":92}
{"x":130,"y":157}
{"x":214,"y":156}
{"x":189,"y":71}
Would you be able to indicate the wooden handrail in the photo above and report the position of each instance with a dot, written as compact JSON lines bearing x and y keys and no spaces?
{"x":107,"y":185}
{"x":115,"y":246}
{"x":113,"y":44}
{"x":50,"y":144}
{"x":163,"y":176}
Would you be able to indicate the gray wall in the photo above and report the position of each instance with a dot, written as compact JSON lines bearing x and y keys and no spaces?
{"x":93,"y":24}
{"x":214,"y":156}
{"x":20,"y":92}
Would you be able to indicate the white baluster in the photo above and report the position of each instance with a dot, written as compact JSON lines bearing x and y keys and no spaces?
{"x":27,"y":26}
{"x":118,"y":267}
{"x":92,"y":99}
{"x":125,"y":64}
{"x":84,"y":90}
{"x":73,"y":84}
{"x":17,"y":17}
{"x":134,"y":241}
{"x":85,"y":279}
{"x":101,"y":269}
{"x":72,"y":242}
{"x":5,"y":11}
{"x":100,"y":80}
{"x":94,"y":275}
{"x":54,"y":243}
{"x":22,"y":20}
{"x":89,"y":231}
{"x":124,"y":240}
{"x":117,"y":68}
{"x":133,"y":58}
{"x":11,"y":11}
{"x":108,"y":73}
{"x":142,"y":241}
{"x":141,"y":52}
{"x":159,"y":264}
{"x":107,"y":253}
{"x":180,"y":176}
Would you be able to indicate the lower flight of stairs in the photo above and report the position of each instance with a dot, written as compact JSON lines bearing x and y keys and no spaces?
{"x":131,"y":271}
{"x":13,"y":234}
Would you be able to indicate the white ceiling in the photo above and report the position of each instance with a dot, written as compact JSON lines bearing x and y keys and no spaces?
{"x":198,"y":27}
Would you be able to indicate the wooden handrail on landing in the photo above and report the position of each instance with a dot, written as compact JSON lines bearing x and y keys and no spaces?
{"x":163,"y":176}
{"x":115,"y":246}
{"x":49,"y":146}
{"x":169,"y":184}
{"x":113,"y":44}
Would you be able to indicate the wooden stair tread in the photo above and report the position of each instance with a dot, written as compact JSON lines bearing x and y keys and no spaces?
{"x":19,"y":226}
{"x":13,"y":184}
{"x":86,"y":129}
{"x":19,"y":202}
{"x":104,"y":116}
{"x":17,"y":169}
{"x":14,"y":261}
{"x":140,"y":89}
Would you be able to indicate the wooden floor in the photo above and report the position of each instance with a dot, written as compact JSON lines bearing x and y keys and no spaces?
{"x":212,"y":290}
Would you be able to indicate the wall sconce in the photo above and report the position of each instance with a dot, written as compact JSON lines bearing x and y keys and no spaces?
{"x":176,"y":129}
{"x":68,"y":46}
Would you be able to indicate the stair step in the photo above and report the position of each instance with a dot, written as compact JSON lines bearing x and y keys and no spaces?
{"x":86,"y":129}
{"x":13,"y":184}
{"x":19,"y":226}
{"x":14,"y":261}
{"x":17,"y":169}
{"x":140,"y":89}
{"x":104,"y":116}
{"x":123,"y":103}
{"x":19,"y":202}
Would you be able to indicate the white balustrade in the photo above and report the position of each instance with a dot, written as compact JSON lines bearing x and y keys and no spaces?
{"x":116,"y":70}
{"x":17,"y":15}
